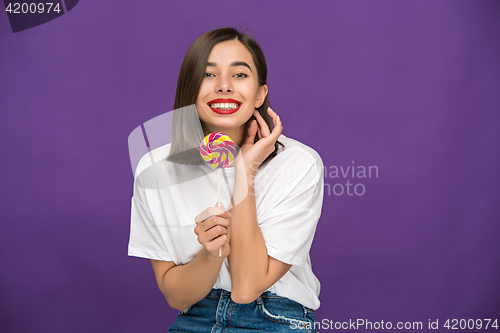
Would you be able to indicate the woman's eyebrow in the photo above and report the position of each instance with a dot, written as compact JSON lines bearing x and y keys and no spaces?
{"x":233,"y":64}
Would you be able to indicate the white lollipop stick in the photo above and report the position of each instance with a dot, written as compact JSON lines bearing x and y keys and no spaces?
{"x":218,"y":201}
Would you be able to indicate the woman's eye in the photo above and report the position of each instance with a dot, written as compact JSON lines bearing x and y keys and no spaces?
{"x":209,"y":75}
{"x":240,"y":75}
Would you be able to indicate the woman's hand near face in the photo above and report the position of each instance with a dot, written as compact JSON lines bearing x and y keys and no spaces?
{"x":255,"y":153}
{"x":212,"y":229}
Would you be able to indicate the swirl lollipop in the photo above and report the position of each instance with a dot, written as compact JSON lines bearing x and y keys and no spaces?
{"x":218,"y":149}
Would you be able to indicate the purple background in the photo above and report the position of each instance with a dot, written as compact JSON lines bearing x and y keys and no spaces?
{"x":411,"y":87}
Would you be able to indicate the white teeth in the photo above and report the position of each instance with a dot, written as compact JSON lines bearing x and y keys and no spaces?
{"x":224,"y":106}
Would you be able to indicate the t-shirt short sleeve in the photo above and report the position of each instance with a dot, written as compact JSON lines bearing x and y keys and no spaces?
{"x":293,"y":205}
{"x":147,"y":239}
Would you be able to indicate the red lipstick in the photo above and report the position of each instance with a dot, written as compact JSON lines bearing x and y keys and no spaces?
{"x":224,"y":100}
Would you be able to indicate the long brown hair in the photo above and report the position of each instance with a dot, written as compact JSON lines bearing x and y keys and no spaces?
{"x":186,"y":128}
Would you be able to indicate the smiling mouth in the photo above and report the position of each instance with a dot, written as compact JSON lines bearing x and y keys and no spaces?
{"x":223,"y":107}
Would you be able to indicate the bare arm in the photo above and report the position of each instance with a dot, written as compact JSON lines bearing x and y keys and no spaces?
{"x":188,"y":284}
{"x":252,"y":270}
{"x":185,"y":285}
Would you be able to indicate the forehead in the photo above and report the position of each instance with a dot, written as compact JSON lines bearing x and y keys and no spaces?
{"x":225,"y":53}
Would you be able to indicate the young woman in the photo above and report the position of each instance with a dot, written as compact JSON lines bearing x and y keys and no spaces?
{"x":247,"y":267}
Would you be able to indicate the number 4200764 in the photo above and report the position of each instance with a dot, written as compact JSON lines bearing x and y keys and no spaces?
{"x":25,"y":8}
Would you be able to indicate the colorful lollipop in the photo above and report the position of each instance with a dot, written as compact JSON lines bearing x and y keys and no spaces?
{"x":218,"y":149}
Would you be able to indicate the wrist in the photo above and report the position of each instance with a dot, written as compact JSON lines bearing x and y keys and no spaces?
{"x":211,"y":259}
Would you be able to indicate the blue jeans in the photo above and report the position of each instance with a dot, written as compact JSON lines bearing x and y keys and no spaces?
{"x":217,"y":313}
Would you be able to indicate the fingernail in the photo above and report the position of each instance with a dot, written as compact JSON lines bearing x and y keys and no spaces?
{"x":228,"y":214}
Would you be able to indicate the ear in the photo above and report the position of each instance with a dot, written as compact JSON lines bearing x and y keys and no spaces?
{"x":261,"y":96}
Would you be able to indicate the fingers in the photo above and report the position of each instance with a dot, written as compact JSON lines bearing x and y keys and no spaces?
{"x":212,"y":229}
{"x":215,"y":246}
{"x":264,"y":129}
{"x":210,"y":218}
{"x":252,"y":130}
{"x":210,"y":223}
{"x":212,"y":211}
{"x":274,"y":115}
{"x":211,"y":234}
{"x":278,"y":126}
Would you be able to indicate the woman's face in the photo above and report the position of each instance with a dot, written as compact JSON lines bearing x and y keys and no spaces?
{"x":230,"y":91}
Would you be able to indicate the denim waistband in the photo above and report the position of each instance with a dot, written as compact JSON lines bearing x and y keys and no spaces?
{"x":218,"y":292}
{"x":267,"y":294}
{"x":218,"y":313}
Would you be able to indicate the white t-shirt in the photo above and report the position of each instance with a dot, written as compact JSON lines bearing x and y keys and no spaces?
{"x":288,"y":194}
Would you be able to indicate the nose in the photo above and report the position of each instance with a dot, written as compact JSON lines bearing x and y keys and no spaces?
{"x":224,"y":85}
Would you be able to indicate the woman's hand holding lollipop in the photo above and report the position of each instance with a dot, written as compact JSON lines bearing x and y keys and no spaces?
{"x":212,"y":229}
